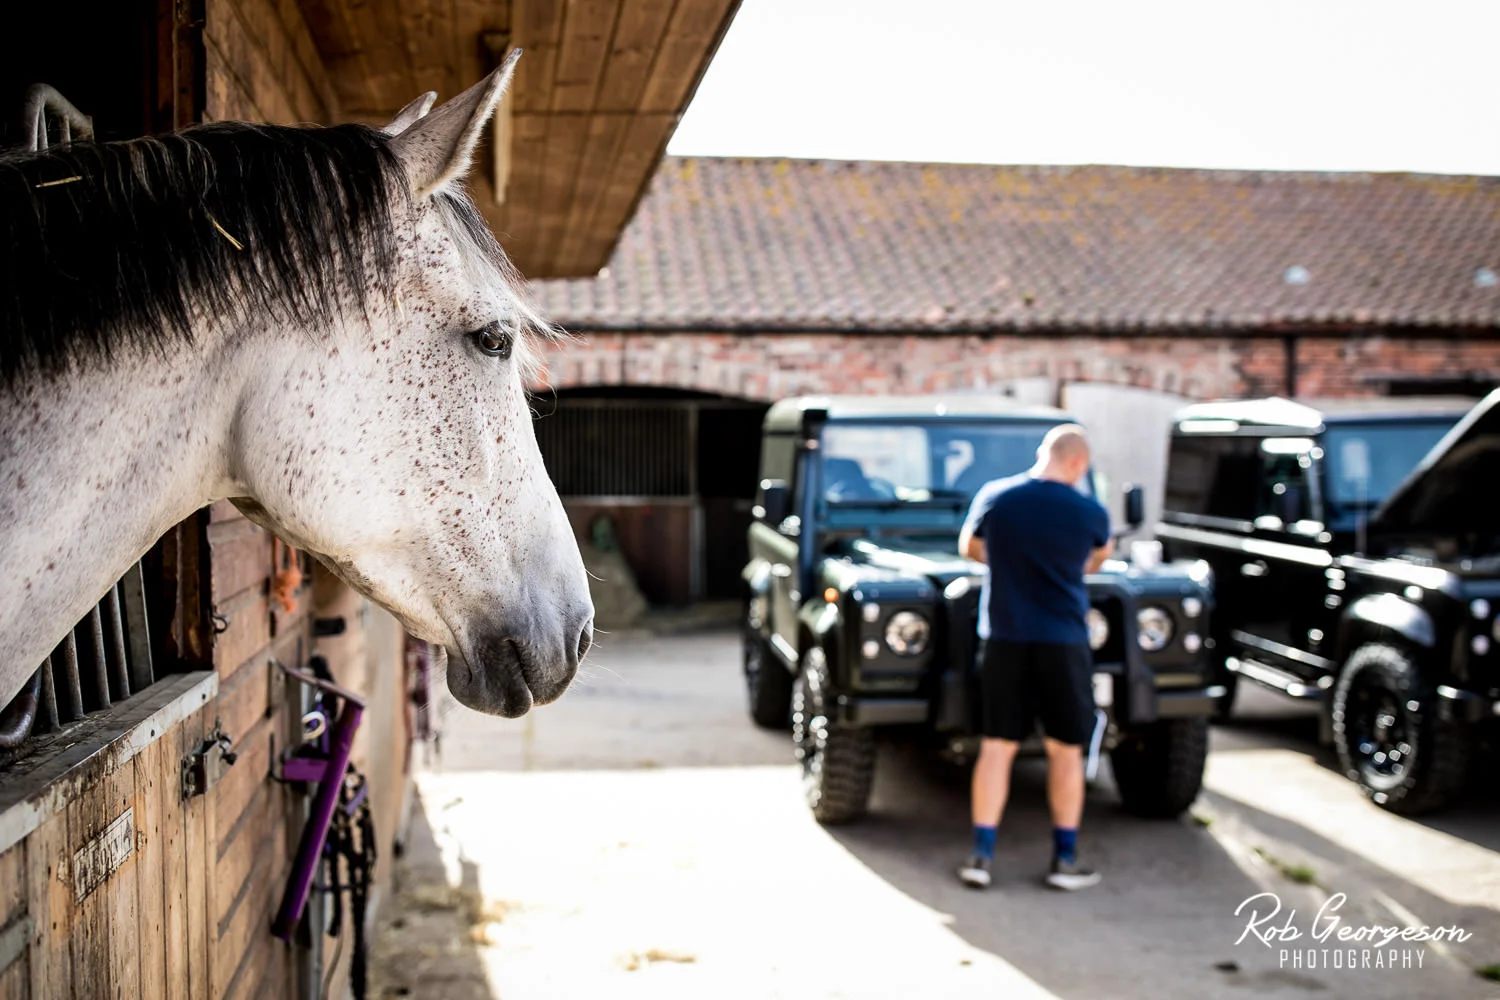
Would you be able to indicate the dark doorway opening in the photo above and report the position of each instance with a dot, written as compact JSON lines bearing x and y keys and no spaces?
{"x":133,"y":66}
{"x":674,"y":471}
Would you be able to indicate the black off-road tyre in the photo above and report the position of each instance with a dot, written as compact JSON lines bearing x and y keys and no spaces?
{"x":1388,"y":735}
{"x":767,"y":682}
{"x":838,"y":762}
{"x":1159,"y":767}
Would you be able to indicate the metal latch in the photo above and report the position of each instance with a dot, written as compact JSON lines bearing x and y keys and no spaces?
{"x":202,"y":769}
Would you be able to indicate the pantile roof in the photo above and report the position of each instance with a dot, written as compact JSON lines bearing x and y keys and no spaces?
{"x":807,"y":245}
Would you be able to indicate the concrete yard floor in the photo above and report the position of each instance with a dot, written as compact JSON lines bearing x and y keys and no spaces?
{"x":642,"y":839}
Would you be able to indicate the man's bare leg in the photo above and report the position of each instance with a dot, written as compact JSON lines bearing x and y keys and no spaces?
{"x":1065,"y":798}
{"x":1065,"y":784}
{"x":990,"y":790}
{"x":991,"y":785}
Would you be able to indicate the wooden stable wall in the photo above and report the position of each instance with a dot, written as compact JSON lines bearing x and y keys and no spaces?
{"x":109,"y":890}
{"x":261,"y":65}
{"x":253,"y":820}
{"x":114,"y":885}
{"x":256,"y":821}
{"x":369,"y":658}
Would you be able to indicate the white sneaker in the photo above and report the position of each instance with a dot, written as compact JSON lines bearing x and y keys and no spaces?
{"x":1070,"y":875}
{"x":975,"y":873}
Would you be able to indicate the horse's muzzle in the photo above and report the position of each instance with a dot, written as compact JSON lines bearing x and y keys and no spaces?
{"x":507,"y":669}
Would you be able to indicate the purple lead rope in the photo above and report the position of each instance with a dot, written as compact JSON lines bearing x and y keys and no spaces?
{"x":315,"y":833}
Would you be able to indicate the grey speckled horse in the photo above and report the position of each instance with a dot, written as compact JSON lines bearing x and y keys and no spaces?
{"x":314,"y":323}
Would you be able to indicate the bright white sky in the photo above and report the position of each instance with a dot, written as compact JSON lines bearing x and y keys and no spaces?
{"x":1267,"y":84}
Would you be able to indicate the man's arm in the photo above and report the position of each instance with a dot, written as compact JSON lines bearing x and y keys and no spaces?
{"x":1106,"y":542}
{"x":971,"y":546}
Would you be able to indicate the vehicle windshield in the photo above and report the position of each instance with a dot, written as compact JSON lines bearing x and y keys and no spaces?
{"x":1363,"y":463}
{"x":882,"y":464}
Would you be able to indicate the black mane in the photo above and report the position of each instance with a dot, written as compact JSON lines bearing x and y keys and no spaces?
{"x":120,"y":244}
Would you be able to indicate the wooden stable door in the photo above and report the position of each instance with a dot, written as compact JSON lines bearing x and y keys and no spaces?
{"x":110,"y":894}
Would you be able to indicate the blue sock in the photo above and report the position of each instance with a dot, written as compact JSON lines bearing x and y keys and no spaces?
{"x":1065,"y":843}
{"x":984,"y":842}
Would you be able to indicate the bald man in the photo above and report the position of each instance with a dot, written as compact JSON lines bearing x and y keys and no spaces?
{"x":1039,"y":535}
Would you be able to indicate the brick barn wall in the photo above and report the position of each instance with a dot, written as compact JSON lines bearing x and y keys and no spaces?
{"x":772,"y":366}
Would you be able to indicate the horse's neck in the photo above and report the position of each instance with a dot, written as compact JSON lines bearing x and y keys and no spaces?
{"x":94,"y":466}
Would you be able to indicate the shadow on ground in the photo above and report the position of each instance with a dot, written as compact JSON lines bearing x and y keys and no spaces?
{"x":429,"y":930}
{"x":1164,"y":918}
{"x":1264,"y":720}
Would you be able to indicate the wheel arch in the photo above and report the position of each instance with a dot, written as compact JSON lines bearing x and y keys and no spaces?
{"x":818,"y":623}
{"x":1385,"y":618}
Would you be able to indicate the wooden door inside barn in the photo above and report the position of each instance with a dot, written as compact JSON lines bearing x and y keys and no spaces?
{"x":113,"y":881}
{"x":110,"y":895}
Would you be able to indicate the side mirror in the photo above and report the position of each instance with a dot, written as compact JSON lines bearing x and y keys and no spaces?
{"x":775,"y":501}
{"x":1135,"y":505}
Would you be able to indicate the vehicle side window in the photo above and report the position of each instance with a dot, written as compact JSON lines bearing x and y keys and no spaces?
{"x":778,"y":460}
{"x":1283,"y":491}
{"x":1213,"y":476}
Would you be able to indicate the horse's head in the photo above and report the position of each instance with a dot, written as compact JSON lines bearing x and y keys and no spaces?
{"x":400,"y":448}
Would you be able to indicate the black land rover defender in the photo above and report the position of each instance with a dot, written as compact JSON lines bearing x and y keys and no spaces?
{"x":1352,"y":569}
{"x":862,"y":615}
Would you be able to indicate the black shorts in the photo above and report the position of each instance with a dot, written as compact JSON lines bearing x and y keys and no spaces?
{"x":1021,"y":682}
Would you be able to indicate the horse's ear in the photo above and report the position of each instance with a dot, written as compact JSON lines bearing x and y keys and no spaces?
{"x":438,"y":148}
{"x":409,"y":115}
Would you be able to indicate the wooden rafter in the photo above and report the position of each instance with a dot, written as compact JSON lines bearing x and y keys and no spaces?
{"x":596,"y":98}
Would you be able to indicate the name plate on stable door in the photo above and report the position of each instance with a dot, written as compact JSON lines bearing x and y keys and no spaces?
{"x":95,"y":861}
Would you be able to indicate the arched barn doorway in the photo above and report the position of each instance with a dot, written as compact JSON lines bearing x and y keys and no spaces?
{"x":673,"y":471}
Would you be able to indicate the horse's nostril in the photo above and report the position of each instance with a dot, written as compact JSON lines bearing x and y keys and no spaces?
{"x":585,"y":640}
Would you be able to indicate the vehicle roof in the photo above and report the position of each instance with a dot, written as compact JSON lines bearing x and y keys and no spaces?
{"x":786,"y":415}
{"x":1313,"y":414}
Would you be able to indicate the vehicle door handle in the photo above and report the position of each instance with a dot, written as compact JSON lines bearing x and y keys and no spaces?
{"x":781,"y":570}
{"x":1256,"y":568}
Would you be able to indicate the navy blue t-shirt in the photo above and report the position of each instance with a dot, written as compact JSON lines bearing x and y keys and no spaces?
{"x":1038,"y":534}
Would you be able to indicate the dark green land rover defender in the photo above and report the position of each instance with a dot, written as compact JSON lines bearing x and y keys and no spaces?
{"x":861,"y":614}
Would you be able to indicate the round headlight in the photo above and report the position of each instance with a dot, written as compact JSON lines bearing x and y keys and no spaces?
{"x":871,"y":612}
{"x":1192,"y":607}
{"x":1098,"y":628}
{"x":1153,"y":628}
{"x":907,"y":633}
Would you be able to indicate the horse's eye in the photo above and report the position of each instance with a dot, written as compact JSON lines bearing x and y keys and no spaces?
{"x":494,"y":340}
